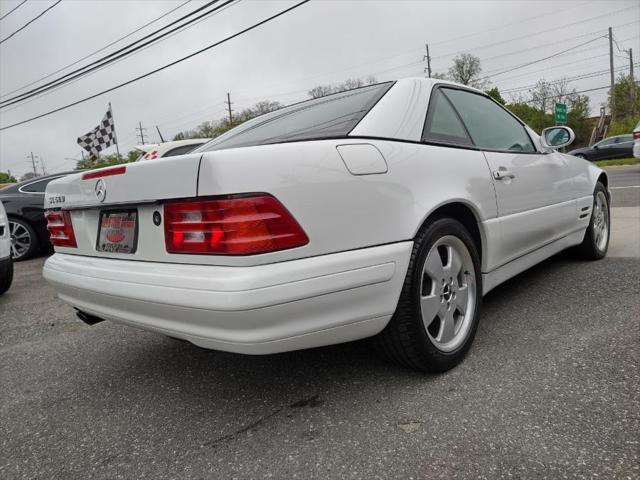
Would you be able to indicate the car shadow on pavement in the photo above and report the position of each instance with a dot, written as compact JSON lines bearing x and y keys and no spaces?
{"x":282,"y":377}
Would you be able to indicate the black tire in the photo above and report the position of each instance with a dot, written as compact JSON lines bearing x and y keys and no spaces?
{"x":405,"y":340}
{"x":6,"y":274}
{"x":589,"y":249}
{"x":34,"y":242}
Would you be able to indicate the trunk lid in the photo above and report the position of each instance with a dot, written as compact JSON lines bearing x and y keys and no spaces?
{"x":120,"y":206}
{"x":140,"y":182}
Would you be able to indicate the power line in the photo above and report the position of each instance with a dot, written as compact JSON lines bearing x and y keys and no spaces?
{"x":112,"y":57}
{"x":566,"y":79}
{"x":97,"y":51}
{"x":13,"y":10}
{"x":545,"y":58}
{"x":550,"y":97}
{"x":539,"y":32}
{"x":562,"y":65}
{"x":29,"y":22}
{"x":55,"y":88}
{"x":498,"y":27}
{"x":152,"y":72}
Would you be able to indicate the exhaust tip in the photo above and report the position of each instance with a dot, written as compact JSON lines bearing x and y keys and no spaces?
{"x":88,"y":318}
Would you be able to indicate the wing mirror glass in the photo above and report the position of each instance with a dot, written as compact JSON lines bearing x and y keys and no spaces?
{"x":557,"y":137}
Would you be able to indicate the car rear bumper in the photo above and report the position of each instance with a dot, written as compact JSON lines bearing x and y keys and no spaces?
{"x":257,"y":310}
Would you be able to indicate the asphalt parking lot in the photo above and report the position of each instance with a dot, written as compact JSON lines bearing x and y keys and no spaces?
{"x":549,"y":390}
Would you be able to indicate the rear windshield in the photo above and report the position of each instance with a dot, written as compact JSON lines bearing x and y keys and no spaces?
{"x":325,"y":117}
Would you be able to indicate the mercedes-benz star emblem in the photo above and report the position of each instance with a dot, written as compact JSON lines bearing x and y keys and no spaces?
{"x":101,"y":190}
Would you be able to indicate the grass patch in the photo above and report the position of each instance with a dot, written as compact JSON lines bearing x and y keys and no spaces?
{"x":617,"y":161}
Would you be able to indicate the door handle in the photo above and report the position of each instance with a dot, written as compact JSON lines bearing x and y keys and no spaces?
{"x":502,"y":173}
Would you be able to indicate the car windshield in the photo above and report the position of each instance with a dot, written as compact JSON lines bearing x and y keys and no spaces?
{"x":325,"y":117}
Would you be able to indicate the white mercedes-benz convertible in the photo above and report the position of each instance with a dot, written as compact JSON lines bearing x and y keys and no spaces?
{"x":387,"y":212}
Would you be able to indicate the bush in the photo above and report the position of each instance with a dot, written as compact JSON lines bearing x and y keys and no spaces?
{"x":622,"y":126}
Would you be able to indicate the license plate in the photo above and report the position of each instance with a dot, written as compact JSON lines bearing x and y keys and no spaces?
{"x":118,"y":231}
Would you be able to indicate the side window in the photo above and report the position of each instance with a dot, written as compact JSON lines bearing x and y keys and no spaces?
{"x":624,"y":139}
{"x":181,"y":150}
{"x":37,"y":187}
{"x":443,"y":124}
{"x":607,"y":142}
{"x":490,"y":126}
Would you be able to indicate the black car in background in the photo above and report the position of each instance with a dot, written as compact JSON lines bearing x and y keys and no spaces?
{"x":620,"y":146}
{"x":24,"y":203}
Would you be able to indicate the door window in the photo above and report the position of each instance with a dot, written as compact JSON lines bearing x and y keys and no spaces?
{"x":607,"y":142}
{"x":443,"y":123}
{"x":491,"y":127}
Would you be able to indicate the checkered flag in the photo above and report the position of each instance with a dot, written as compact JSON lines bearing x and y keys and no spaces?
{"x":101,"y":137}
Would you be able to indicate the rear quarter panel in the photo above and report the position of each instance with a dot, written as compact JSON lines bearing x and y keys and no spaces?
{"x":340,"y":211}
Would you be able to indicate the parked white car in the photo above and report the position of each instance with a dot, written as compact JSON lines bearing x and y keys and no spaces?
{"x":636,"y":141}
{"x":153,"y":151}
{"x":387,"y":211}
{"x":6,"y":265}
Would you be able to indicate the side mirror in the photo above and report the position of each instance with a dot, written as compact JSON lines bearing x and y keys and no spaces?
{"x":557,"y":137}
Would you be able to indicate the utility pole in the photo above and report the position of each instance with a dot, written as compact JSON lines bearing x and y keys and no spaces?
{"x":159,"y":134}
{"x":612,"y":106}
{"x":229,"y":107}
{"x":141,"y":134}
{"x":427,"y":57}
{"x":33,"y":163}
{"x":44,"y":172}
{"x":632,"y":88}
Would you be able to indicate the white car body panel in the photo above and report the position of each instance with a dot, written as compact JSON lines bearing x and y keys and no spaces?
{"x":5,"y":238}
{"x":258,"y":309}
{"x":636,"y":141}
{"x":360,"y":199}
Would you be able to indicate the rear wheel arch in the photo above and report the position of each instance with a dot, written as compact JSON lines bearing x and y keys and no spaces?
{"x":466,"y":215}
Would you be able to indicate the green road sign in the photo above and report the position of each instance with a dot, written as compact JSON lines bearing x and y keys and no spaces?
{"x":561,"y":112}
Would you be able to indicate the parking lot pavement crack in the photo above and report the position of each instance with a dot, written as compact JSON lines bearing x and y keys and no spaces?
{"x":231,"y":436}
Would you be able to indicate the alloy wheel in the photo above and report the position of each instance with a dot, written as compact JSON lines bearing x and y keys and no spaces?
{"x":600,"y":221}
{"x":448,"y":293}
{"x":20,"y":239}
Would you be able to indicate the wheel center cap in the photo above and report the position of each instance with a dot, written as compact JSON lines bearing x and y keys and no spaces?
{"x":447,"y":292}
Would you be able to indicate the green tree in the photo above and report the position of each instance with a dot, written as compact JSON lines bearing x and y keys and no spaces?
{"x":578,"y":117}
{"x":215,"y":128}
{"x":7,"y":178}
{"x":623,"y":125}
{"x":495,"y":94}
{"x":108,"y":160}
{"x":349,"y":84}
{"x":466,"y":70}
{"x":623,"y":106}
{"x":532,"y":116}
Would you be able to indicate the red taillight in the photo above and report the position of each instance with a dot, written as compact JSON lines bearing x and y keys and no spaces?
{"x":60,"y":228}
{"x":240,"y":225}
{"x":636,"y":135}
{"x":104,"y":172}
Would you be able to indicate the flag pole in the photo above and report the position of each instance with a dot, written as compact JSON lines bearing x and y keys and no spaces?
{"x":114,"y":131}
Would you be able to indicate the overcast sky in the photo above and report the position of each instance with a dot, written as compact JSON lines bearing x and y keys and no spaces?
{"x":322,"y":42}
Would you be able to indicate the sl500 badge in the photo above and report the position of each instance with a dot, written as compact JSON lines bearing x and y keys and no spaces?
{"x":53,"y":199}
